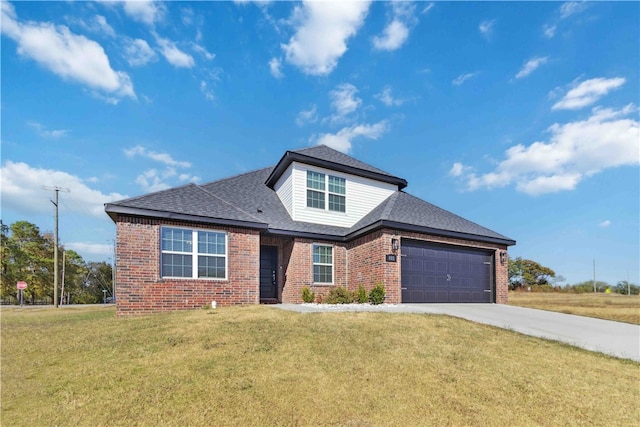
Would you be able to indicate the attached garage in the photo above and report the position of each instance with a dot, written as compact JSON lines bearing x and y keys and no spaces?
{"x":433,"y":273}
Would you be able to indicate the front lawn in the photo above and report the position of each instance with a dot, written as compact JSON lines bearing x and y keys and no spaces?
{"x":621,"y":308}
{"x":261,"y":366}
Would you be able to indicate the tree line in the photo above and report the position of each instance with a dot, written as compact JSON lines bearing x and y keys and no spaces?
{"x":27,"y":255}
{"x":530,"y":275}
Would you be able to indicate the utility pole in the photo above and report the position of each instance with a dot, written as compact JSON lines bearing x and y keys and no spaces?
{"x":628,"y":284}
{"x":56,"y":190}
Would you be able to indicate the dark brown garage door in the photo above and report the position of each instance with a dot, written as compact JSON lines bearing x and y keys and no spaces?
{"x":434,"y":273}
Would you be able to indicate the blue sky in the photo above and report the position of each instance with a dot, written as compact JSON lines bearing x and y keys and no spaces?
{"x":520,"y":116}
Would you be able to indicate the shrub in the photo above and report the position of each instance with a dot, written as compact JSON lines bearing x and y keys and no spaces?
{"x":376,"y":296}
{"x":308,"y":295}
{"x":361,"y":295}
{"x":339,"y":295}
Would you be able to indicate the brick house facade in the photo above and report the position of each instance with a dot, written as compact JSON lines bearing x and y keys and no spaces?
{"x":319,"y":256}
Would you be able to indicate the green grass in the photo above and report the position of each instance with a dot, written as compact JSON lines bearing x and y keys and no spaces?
{"x":260,"y":366}
{"x":621,"y":308}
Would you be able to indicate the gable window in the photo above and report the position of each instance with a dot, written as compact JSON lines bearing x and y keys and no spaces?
{"x":336,"y":194}
{"x":323,"y":192}
{"x":322,"y":264}
{"x":315,"y":190}
{"x":207,"y":258}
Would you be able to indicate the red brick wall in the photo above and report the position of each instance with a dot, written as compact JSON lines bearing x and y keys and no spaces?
{"x":368,"y":266}
{"x":140,"y":289}
{"x":299,"y":269}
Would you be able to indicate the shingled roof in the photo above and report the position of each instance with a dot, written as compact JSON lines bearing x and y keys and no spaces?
{"x":248,"y":200}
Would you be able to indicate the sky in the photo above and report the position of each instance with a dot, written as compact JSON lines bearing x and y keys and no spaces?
{"x":520,"y":116}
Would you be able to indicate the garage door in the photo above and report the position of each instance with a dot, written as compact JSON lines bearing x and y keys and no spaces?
{"x":433,"y":273}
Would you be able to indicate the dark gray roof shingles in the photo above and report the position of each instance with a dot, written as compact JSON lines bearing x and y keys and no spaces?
{"x":246,"y":198}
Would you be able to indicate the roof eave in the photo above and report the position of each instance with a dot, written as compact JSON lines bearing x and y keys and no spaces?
{"x":114,"y":210}
{"x":306,"y":235}
{"x":427,"y":230}
{"x":290,"y":157}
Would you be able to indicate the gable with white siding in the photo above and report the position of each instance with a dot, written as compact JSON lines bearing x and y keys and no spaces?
{"x":362,"y":195}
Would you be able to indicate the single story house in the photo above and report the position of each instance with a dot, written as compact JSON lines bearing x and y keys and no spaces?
{"x":318,"y":218}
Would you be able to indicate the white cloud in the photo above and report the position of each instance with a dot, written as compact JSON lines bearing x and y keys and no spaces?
{"x":342,"y":140}
{"x":565,"y":11}
{"x":153,"y":180}
{"x":344,"y":101}
{"x":549,"y":30}
{"x":173,"y":55}
{"x":393,"y":36}
{"x":458,"y":169}
{"x":571,"y":8}
{"x":49,"y":134}
{"x":428,"y":7}
{"x":150,"y":181}
{"x":486,"y":28}
{"x":101,"y":23}
{"x":138,"y":52}
{"x":22,"y":191}
{"x":203,"y":51}
{"x":606,"y":223}
{"x":307,"y":116}
{"x":531,"y":65}
{"x":164,"y":158}
{"x":322,"y":31}
{"x":147,"y":12}
{"x":574,"y":151}
{"x":70,"y":56}
{"x":463,"y":77}
{"x":275,"y":66}
{"x":95,"y":249}
{"x":387,"y":98}
{"x":397,"y":30}
{"x":97,"y":25}
{"x":587,"y":93}
{"x":206,"y":91}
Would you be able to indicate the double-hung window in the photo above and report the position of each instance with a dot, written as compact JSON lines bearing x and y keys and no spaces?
{"x":326,"y":191}
{"x":193,"y":253}
{"x":322,"y":264}
{"x":336,"y":194}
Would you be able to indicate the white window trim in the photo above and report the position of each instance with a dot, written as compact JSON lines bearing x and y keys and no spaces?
{"x":325,"y":192}
{"x":333,"y":262}
{"x":194,"y":254}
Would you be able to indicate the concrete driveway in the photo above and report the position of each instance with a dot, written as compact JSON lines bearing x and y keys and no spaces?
{"x":613,"y":338}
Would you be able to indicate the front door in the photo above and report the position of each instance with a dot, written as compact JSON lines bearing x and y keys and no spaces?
{"x":268,"y":273}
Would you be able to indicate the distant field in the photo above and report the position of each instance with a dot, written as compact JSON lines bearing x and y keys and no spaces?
{"x":617,"y":307}
{"x":257,"y":366}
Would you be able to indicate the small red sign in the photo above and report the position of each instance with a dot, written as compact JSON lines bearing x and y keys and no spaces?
{"x":22,"y":285}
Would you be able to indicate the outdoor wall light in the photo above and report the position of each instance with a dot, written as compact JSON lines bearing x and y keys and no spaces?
{"x":503,"y":257}
{"x":394,"y":245}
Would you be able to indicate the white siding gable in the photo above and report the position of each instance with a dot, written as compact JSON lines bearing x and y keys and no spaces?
{"x":362,"y":196}
{"x":284,"y":189}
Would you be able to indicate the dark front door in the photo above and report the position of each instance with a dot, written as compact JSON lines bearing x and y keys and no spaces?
{"x":268,"y":273}
{"x":433,"y":273}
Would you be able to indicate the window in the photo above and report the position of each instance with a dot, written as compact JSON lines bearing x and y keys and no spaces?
{"x":317,"y":191}
{"x":179,"y":253}
{"x":322,"y":264}
{"x":336,"y":194}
